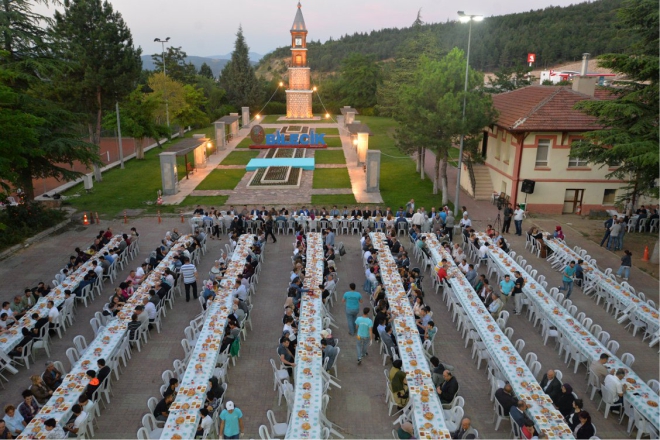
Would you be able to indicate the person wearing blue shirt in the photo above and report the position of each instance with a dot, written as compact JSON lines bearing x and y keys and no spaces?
{"x":364,"y":334}
{"x":567,"y":279}
{"x":506,"y":286}
{"x":352,"y":299}
{"x":231,"y":425}
{"x":109,"y":257}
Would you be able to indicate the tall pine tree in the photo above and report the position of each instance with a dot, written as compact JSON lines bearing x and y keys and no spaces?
{"x":238,"y":77}
{"x":629,"y":141}
{"x":104,"y":66}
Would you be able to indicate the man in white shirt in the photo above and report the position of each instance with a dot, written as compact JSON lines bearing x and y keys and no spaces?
{"x":53,"y":313}
{"x":150,"y":309}
{"x":240,"y":291}
{"x":418,"y":218}
{"x":367,"y":254}
{"x":98,"y":269}
{"x":76,"y":423}
{"x":465,"y":221}
{"x":189,"y":272}
{"x":613,"y":382}
{"x":518,"y":216}
{"x":483,"y":250}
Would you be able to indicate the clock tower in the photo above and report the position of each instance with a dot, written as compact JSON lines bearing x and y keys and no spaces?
{"x":299,"y":94}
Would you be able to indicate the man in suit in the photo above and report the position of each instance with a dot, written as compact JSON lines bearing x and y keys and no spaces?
{"x":506,"y":398}
{"x":517,"y":413}
{"x":366,"y":213}
{"x":377,"y":212}
{"x":334,"y":212}
{"x":388,"y":339}
{"x":345,"y":212}
{"x":551,"y":385}
{"x":449,"y":388}
{"x":465,"y":430}
{"x":356,"y":212}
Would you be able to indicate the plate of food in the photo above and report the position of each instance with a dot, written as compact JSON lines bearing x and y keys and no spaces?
{"x":652,"y":403}
{"x":429,"y":415}
{"x":306,"y":426}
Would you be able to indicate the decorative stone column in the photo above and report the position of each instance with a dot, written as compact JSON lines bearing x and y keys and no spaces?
{"x":373,"y":171}
{"x":220,"y":134}
{"x":362,"y":147}
{"x":246,"y":116}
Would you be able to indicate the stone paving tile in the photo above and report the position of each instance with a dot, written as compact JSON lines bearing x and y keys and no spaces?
{"x":331,"y":165}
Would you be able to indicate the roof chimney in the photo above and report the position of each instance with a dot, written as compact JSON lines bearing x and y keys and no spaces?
{"x":585,"y":84}
{"x":585,"y":64}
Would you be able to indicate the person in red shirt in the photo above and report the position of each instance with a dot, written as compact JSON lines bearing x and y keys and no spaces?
{"x":441,"y":271}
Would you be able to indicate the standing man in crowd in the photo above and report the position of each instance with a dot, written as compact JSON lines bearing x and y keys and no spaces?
{"x":365,"y":335}
{"x":189,"y":273}
{"x":352,"y":299}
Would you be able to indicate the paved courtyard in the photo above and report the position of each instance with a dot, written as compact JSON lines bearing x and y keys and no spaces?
{"x":359,"y":406}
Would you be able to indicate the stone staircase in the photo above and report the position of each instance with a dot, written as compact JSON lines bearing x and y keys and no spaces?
{"x":483,"y":188}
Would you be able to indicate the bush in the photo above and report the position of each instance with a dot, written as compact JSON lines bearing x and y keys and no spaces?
{"x":275,"y":108}
{"x":25,"y":220}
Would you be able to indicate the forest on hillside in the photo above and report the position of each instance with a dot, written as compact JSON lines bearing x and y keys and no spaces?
{"x":554,"y":34}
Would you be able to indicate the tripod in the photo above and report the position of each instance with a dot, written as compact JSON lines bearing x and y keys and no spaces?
{"x":498,"y":223}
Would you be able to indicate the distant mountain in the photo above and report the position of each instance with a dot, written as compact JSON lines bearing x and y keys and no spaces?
{"x":254,"y":57}
{"x":215,"y":64}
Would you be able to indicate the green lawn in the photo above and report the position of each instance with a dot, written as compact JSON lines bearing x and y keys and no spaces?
{"x":240,"y":157}
{"x":328,"y":131}
{"x":272,"y":119}
{"x":245,"y":143}
{"x":131,"y":188}
{"x":333,"y":142}
{"x":207,"y":202}
{"x":333,"y":199}
{"x":325,"y":156}
{"x":399,"y":182}
{"x":331,"y":178}
{"x":221,"y":179}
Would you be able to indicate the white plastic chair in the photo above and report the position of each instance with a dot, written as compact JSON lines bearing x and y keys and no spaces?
{"x":628,"y":359}
{"x":277,"y":429}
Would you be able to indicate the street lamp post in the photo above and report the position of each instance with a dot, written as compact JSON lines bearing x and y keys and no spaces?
{"x":167,"y":106}
{"x":464,"y":18}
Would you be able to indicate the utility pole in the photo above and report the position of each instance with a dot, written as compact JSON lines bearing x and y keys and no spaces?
{"x":167,"y":107}
{"x":121,"y":148}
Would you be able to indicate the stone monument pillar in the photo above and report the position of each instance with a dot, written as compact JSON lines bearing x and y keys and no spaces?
{"x":233,"y":128}
{"x":362,"y":147}
{"x":168,"y":173}
{"x":246,"y":116}
{"x":373,"y":171}
{"x":220,"y":134}
{"x":349,"y":118}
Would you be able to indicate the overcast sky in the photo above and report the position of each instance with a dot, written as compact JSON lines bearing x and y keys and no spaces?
{"x":208,"y":27}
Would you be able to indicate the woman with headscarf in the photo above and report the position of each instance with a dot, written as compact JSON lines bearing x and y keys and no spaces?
{"x":565,"y":400}
{"x":214,"y":394}
{"x":585,"y":429}
{"x":398,"y":384}
{"x":559,"y":234}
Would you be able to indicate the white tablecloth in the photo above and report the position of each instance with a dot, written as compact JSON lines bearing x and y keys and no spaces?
{"x":184,"y":412}
{"x":501,"y":350}
{"x":428,"y":416}
{"x":104,"y":345}
{"x":305,"y":421}
{"x":643,"y":311}
{"x":9,"y":340}
{"x":639,"y":393}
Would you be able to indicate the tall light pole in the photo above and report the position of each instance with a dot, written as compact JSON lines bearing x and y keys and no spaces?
{"x":167,"y":106}
{"x":464,"y":18}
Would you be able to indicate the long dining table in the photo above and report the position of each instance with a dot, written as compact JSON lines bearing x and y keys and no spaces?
{"x":105,"y":345}
{"x":626,"y":297}
{"x":184,"y":412}
{"x":427,"y":413}
{"x":10,"y":339}
{"x":500,"y":349}
{"x":305,"y":420}
{"x":639,"y":394}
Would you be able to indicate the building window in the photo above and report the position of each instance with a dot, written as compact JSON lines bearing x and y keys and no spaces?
{"x":609,"y":197}
{"x":574,"y":162}
{"x":542,"y":152}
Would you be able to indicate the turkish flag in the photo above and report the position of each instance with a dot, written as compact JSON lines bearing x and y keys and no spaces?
{"x":531,"y":57}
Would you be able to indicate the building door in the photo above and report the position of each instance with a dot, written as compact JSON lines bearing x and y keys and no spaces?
{"x":573,"y":201}
{"x":484,"y":146}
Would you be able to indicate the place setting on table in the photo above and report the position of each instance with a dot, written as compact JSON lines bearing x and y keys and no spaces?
{"x":501,"y":350}
{"x":427,"y":413}
{"x":193,"y":386}
{"x":305,"y":421}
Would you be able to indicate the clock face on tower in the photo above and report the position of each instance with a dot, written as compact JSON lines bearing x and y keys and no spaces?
{"x":298,"y":41}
